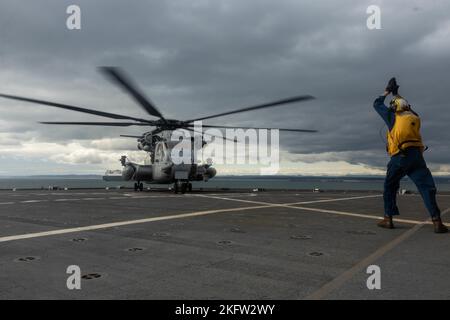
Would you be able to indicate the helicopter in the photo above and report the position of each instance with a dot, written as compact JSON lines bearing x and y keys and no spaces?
{"x":156,"y":142}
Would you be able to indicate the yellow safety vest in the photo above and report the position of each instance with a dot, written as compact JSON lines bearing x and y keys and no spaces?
{"x":405,"y":133}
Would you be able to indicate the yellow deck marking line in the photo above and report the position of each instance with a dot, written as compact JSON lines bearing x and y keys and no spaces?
{"x":124,"y":223}
{"x":348,"y":274}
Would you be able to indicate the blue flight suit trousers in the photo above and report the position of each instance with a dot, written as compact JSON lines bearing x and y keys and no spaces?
{"x":412,"y":164}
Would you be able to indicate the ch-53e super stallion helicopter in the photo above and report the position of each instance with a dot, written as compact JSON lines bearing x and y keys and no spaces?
{"x":156,"y":142}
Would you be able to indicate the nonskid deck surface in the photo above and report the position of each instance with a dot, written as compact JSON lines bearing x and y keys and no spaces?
{"x":217,"y":245}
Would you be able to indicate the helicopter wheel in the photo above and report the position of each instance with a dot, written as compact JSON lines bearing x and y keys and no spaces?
{"x":141,"y":186}
{"x":136,"y":187}
{"x":176,"y":187}
{"x":184,"y":187}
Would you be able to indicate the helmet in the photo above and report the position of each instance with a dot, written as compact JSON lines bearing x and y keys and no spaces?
{"x":399,"y":104}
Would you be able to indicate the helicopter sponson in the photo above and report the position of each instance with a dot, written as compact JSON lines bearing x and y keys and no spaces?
{"x":159,"y":173}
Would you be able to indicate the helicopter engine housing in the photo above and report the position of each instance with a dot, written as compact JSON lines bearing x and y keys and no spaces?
{"x":143,"y":173}
{"x":210,"y":173}
{"x":128,"y":172}
{"x":144,"y":146}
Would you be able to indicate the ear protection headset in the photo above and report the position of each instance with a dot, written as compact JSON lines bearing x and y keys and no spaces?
{"x":398,"y":104}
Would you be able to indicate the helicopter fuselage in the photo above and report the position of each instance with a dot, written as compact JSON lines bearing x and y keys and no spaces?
{"x":161,"y":169}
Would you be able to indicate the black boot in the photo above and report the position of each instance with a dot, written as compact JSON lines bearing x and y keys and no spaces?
{"x":386,"y":223}
{"x":439,"y":227}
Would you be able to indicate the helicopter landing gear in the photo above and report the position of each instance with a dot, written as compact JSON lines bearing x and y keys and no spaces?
{"x":138,"y":186}
{"x":177,"y":187}
{"x":182,"y":187}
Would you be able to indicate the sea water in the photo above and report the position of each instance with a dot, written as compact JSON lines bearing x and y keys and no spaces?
{"x":224,"y":182}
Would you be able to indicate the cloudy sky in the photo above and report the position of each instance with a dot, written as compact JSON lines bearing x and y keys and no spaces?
{"x":199,"y":57}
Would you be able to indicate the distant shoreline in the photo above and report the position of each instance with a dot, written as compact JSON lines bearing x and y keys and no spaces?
{"x":325,"y":183}
{"x":221,"y":177}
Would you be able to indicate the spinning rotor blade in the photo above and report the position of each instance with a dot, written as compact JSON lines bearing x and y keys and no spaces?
{"x":130,"y":136}
{"x":209,"y":134}
{"x":112,"y":124}
{"x":73,"y":108}
{"x":260,"y":106}
{"x":116,"y":75}
{"x":240,"y":127}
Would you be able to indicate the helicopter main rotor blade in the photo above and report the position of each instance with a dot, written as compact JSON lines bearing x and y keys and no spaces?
{"x":208,"y":134}
{"x":73,"y":108}
{"x":113,"y":124}
{"x":116,"y":75}
{"x":240,"y":127}
{"x":130,"y":136}
{"x":260,"y":106}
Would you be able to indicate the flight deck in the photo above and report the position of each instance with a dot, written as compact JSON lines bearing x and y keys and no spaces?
{"x":218,"y":245}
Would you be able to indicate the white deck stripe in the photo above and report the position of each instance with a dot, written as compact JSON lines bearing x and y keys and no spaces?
{"x":338,"y":199}
{"x":351,"y":214}
{"x":123,"y":223}
{"x":261,"y":205}
{"x":294,"y":205}
{"x":88,"y":199}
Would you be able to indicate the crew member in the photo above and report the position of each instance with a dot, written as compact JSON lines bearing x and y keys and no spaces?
{"x":405,"y":147}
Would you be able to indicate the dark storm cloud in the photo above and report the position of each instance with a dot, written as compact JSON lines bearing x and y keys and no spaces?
{"x":199,"y":57}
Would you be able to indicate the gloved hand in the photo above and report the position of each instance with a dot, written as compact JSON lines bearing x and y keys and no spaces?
{"x":392,"y":86}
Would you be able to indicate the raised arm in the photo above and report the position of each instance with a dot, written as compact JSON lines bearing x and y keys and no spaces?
{"x":385,"y":113}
